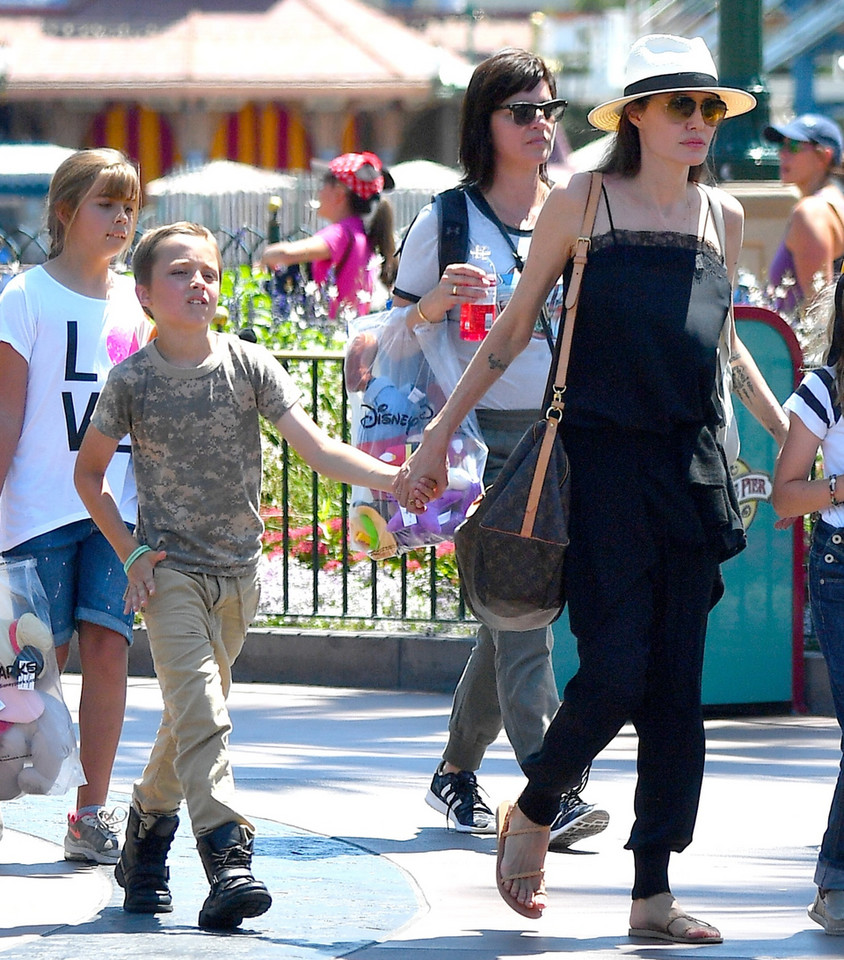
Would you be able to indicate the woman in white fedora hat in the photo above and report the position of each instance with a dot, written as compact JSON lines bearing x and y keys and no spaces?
{"x":653,"y":511}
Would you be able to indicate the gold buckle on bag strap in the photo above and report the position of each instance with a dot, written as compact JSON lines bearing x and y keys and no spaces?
{"x":555,"y":410}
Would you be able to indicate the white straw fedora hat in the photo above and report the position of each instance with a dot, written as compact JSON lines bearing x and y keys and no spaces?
{"x":660,"y":63}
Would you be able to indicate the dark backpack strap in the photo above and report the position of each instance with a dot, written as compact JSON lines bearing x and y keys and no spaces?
{"x":453,"y":218}
{"x":452,"y":235}
{"x":482,"y":204}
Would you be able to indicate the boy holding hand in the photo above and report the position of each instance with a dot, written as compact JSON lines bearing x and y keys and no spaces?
{"x":190,"y":401}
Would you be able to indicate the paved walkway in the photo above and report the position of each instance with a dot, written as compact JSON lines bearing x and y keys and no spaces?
{"x":357,"y":863}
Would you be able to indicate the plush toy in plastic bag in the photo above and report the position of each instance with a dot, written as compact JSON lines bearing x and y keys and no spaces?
{"x":38,"y":753}
{"x":393,"y":394}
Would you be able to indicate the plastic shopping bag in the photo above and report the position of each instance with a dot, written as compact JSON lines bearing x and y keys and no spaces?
{"x":38,"y":753}
{"x":393,"y":394}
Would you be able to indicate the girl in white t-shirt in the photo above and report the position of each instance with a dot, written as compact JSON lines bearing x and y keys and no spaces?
{"x":63,"y":325}
{"x":815,"y":421}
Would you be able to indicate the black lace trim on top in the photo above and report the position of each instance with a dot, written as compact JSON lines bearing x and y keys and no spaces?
{"x":654,"y":238}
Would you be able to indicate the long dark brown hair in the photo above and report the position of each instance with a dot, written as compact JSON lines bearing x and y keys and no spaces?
{"x":835,"y":355}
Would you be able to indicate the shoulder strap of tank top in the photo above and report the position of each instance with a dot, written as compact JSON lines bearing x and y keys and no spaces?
{"x":717,"y":211}
{"x":609,"y":211}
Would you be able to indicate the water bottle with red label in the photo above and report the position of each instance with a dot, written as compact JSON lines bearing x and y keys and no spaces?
{"x":477,"y":317}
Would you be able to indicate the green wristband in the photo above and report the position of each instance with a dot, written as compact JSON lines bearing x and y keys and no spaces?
{"x":133,"y":556}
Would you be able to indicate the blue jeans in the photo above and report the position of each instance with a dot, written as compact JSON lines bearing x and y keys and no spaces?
{"x":82,"y":577}
{"x":826,"y":596}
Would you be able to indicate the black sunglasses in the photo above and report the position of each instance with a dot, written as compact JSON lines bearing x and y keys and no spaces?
{"x":681,"y":107}
{"x":524,"y":113}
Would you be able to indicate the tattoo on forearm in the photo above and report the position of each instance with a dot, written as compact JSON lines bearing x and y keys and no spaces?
{"x":742,"y":384}
{"x":495,"y":363}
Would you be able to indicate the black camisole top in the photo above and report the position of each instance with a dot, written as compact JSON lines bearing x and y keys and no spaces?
{"x":651,"y":309}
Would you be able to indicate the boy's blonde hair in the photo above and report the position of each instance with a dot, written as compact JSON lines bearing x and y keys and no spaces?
{"x":143,"y":259}
{"x":73,"y":181}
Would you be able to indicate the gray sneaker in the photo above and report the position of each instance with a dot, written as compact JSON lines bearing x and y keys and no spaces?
{"x":828,"y":911}
{"x":93,"y":836}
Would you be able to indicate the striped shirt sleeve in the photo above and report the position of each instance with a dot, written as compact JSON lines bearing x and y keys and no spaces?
{"x":814,"y":402}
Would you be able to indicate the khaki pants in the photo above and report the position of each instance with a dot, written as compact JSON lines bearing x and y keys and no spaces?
{"x":196,"y":626}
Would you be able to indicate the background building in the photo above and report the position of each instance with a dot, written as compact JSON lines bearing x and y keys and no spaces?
{"x":265,"y":82}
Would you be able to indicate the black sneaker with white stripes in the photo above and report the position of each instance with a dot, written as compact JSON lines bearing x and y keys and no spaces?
{"x":458,"y":796}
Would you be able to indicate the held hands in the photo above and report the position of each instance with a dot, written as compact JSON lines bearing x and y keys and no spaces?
{"x":421,"y":494}
{"x":421,"y":478}
{"x":141,"y":581}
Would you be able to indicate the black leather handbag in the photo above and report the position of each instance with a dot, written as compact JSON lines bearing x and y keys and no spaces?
{"x":510,"y":550}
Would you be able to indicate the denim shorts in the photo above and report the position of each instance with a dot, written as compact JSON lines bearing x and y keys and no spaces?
{"x":82,"y":577}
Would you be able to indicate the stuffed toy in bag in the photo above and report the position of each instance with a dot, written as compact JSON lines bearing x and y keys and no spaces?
{"x":35,"y":731}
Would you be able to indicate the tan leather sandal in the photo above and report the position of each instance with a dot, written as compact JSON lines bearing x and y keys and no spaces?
{"x":502,"y":822}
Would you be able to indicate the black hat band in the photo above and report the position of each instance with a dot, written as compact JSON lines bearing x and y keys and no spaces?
{"x":671,"y":81}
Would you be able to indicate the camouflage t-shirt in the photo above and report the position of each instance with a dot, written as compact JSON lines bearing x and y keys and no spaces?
{"x":196,"y":446}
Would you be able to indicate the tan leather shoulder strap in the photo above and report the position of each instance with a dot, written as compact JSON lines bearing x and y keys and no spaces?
{"x":580,"y":253}
{"x":554,"y":413}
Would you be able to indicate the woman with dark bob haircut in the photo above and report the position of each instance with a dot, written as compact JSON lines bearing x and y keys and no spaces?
{"x":653,"y":509}
{"x":508,"y":123}
{"x":493,"y":81}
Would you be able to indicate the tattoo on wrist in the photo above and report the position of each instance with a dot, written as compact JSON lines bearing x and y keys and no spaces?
{"x":495,"y":363}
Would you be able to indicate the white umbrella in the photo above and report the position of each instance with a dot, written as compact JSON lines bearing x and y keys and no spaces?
{"x":219,"y":177}
{"x":588,"y":157}
{"x":232,"y":199}
{"x":424,"y":175}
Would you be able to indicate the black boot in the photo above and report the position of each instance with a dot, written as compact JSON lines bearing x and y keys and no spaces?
{"x":226,"y":854}
{"x":142,"y":868}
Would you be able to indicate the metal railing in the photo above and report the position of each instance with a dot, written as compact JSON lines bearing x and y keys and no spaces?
{"x":240,"y":219}
{"x":317,"y":572}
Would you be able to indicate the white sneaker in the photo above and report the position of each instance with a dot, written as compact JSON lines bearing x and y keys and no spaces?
{"x":828,"y":911}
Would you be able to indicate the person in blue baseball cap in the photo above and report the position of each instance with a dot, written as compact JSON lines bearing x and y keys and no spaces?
{"x":812,"y":249}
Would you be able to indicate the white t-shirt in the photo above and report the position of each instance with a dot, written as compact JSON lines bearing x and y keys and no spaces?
{"x":814,"y":403}
{"x":522,"y":385}
{"x":70,"y":342}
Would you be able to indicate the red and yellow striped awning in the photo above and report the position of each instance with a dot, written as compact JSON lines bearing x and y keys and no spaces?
{"x":141,"y":133}
{"x":267,"y":135}
{"x":263,"y":135}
